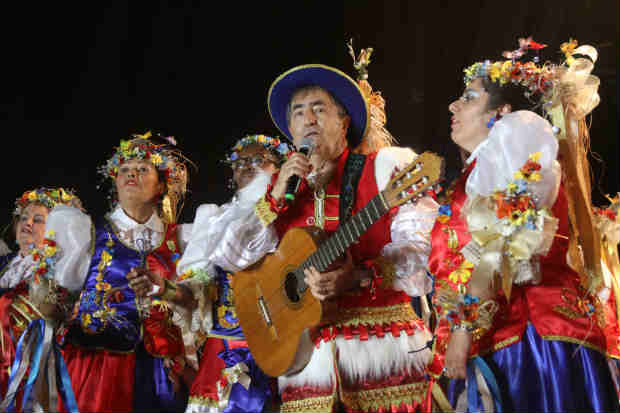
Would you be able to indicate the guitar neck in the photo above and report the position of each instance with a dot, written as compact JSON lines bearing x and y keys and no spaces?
{"x":336,"y":245}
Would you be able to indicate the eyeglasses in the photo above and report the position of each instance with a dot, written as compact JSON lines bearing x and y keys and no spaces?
{"x":254,"y":162}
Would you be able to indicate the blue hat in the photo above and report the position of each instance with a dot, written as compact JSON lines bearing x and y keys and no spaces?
{"x":342,"y":87}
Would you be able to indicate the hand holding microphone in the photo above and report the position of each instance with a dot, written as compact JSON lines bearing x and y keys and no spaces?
{"x":292,"y":171}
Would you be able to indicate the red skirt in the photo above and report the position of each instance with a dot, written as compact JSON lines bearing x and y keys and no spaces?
{"x":102,"y":381}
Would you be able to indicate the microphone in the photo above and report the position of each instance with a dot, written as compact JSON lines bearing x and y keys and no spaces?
{"x":292,"y":186}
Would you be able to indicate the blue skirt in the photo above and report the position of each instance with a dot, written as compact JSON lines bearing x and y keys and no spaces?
{"x":537,"y":375}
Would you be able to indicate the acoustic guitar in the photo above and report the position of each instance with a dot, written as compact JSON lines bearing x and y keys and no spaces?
{"x":273,"y":303}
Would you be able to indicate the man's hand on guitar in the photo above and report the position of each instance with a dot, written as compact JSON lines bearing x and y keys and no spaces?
{"x":332,"y":283}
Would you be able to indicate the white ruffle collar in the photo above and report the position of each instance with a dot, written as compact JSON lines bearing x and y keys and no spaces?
{"x":125,"y":223}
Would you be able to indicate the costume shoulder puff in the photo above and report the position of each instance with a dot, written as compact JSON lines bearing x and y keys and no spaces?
{"x":388,"y":159}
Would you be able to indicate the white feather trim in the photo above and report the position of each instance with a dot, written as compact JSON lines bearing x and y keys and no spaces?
{"x":319,"y":372}
{"x":359,"y":360}
{"x":387,"y":160}
{"x":378,"y":358}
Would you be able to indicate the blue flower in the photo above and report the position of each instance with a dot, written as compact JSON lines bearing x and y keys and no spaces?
{"x":445,"y":210}
{"x":530,"y":225}
{"x":521,"y":186}
{"x":234,"y":156}
{"x":175,"y":257}
{"x":282,"y":148}
{"x":471,"y":299}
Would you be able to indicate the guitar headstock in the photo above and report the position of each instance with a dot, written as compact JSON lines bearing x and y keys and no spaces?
{"x":421,"y":174}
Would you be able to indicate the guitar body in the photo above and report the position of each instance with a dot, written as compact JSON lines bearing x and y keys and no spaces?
{"x":271,"y":321}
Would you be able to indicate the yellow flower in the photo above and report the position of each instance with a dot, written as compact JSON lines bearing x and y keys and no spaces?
{"x":49,"y":251}
{"x":507,"y":66}
{"x":32,"y":196}
{"x":535,"y":156}
{"x":86,"y":320}
{"x":156,"y":159}
{"x":518,"y":175}
{"x":147,"y":135}
{"x":462,"y":274}
{"x":512,"y":187}
{"x":535,"y":176}
{"x":50,"y":234}
{"x":124,"y":146}
{"x":187,"y":274}
{"x":494,"y":72}
{"x":261,"y":138}
{"x":106,"y":258}
{"x":65,"y":196}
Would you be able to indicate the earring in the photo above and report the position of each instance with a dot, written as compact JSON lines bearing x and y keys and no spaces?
{"x":492,"y":121}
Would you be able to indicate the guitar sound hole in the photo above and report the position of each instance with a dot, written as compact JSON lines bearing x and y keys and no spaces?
{"x":290,"y":286}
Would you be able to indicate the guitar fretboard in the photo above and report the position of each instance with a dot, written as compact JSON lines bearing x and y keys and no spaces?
{"x":335,"y":246}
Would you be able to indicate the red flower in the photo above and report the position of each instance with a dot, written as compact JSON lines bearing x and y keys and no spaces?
{"x":117,"y":296}
{"x":536,"y":46}
{"x":504,"y":206}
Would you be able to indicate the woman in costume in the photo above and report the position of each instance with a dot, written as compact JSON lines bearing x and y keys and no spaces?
{"x":123,"y":353}
{"x":536,"y":332}
{"x":34,"y":298}
{"x":228,"y":378}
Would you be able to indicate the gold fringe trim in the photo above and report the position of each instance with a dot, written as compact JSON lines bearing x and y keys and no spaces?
{"x":386,"y":398}
{"x":311,"y":404}
{"x":376,"y":315}
{"x":264,"y":212}
{"x":514,"y":339}
{"x":204,"y":401}
{"x":580,"y":342}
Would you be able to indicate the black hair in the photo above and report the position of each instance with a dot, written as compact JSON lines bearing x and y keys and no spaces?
{"x":510,"y":93}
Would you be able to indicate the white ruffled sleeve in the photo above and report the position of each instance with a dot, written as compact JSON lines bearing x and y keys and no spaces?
{"x":244,"y":239}
{"x":510,"y":143}
{"x":230,"y":236}
{"x":410,"y":243}
{"x":74,"y":236}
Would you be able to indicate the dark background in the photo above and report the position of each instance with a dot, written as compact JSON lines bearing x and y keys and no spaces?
{"x":80,"y":76}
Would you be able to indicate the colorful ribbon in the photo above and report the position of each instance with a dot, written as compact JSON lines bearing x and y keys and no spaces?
{"x":46,"y":363}
{"x":474,"y":402}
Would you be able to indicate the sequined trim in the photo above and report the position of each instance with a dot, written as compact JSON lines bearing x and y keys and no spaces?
{"x":386,"y":270}
{"x":311,"y":404}
{"x":376,"y":315}
{"x":386,"y":398}
{"x":264,"y":212}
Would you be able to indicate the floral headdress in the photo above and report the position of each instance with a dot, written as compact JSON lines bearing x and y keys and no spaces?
{"x":281,"y":150}
{"x":48,"y":197}
{"x":540,"y":82}
{"x":166,"y":159}
{"x":377,"y":136}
